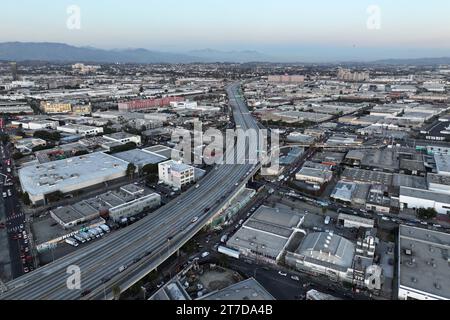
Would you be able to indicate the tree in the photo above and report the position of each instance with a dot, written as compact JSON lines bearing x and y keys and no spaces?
{"x":4,"y":138}
{"x":47,"y":135}
{"x":26,"y":198}
{"x":131,"y":169}
{"x":223,"y":260}
{"x":17,"y":155}
{"x":150,"y":169}
{"x":80,"y":153}
{"x":124,"y":147}
{"x":426,"y":214}
{"x":116,"y":291}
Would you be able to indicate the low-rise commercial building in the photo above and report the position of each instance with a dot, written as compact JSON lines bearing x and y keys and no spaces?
{"x":423,"y":264}
{"x":26,"y":145}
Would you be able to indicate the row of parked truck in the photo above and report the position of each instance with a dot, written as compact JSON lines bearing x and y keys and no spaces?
{"x":88,"y":235}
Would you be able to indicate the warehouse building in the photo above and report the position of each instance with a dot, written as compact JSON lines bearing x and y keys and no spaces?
{"x":265,"y":236}
{"x":423,"y":264}
{"x":69,"y":175}
{"x":411,"y":198}
{"x":442,"y":164}
{"x":123,"y":137}
{"x":438,"y":183}
{"x":36,"y":124}
{"x":314,"y":176}
{"x":344,"y":191}
{"x":85,"y":131}
{"x":125,"y":202}
{"x":140,"y":158}
{"x":352,"y":221}
{"x":324,"y":253}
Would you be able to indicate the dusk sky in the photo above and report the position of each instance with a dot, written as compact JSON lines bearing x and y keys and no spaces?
{"x":292,"y":29}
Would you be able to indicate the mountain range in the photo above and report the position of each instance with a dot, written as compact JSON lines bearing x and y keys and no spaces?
{"x":60,"y":52}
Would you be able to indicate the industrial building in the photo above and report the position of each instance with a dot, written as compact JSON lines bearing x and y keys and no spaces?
{"x":352,"y":221}
{"x":35,"y":124}
{"x":125,"y":202}
{"x":175,"y":174}
{"x":140,"y":105}
{"x":140,"y":158}
{"x":344,"y":191}
{"x":423,"y":264}
{"x":378,"y":199}
{"x":266,"y":234}
{"x":15,"y":107}
{"x":438,"y":183}
{"x":314,"y":176}
{"x":123,"y":137}
{"x":411,"y":198}
{"x":246,"y":290}
{"x":442,"y":164}
{"x":85,"y":131}
{"x":324,"y":253}
{"x":70,"y":175}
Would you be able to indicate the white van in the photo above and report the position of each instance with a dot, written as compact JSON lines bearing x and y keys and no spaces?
{"x":72,"y":242}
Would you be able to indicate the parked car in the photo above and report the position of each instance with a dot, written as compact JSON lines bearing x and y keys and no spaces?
{"x":281,"y":273}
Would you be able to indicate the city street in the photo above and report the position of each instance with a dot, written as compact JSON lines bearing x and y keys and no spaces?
{"x":14,"y":220}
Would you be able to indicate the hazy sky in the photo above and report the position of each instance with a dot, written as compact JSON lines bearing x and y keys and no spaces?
{"x":277,"y":27}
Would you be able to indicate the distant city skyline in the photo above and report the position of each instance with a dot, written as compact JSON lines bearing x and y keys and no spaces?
{"x":288,"y":30}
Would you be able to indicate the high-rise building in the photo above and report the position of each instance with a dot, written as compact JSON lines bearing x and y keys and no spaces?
{"x":14,"y":74}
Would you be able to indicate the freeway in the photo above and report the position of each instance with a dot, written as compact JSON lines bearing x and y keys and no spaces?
{"x":124,"y":257}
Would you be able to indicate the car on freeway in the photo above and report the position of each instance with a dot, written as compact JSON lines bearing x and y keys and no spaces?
{"x":194,"y":220}
{"x":281,"y":273}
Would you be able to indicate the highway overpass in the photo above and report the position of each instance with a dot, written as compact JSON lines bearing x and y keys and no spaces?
{"x":143,"y":246}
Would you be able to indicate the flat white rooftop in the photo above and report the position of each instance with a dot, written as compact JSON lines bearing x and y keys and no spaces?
{"x":71,"y":174}
{"x":424,"y":261}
